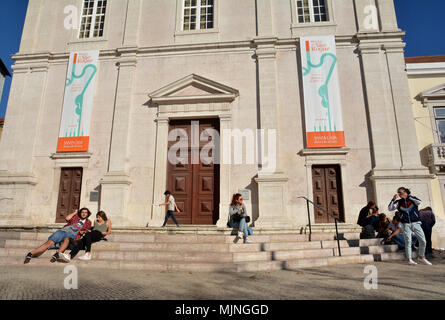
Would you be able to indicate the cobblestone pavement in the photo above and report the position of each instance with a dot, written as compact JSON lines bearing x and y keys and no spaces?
{"x":396,"y":280}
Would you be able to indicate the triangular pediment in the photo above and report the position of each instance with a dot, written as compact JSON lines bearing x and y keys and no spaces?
{"x":437,"y":92}
{"x":193,"y":88}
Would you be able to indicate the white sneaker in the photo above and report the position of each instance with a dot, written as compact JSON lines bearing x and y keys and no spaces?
{"x":64,"y":257}
{"x":412,"y":262}
{"x":424,"y":261}
{"x":247,"y":240}
{"x":86,"y":256}
{"x":240,"y":234}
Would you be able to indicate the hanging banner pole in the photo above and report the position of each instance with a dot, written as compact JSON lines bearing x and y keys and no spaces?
{"x":322,"y":102}
{"x":74,"y":134}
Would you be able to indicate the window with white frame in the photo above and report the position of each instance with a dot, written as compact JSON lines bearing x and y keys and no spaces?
{"x":93,"y":19}
{"x":312,"y":11}
{"x":439,"y":114}
{"x":198,"y":14}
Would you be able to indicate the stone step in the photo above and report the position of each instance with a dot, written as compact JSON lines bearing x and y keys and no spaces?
{"x":204,"y":247}
{"x":128,"y":265}
{"x":201,"y":238}
{"x":302,"y":263}
{"x":213,"y":257}
{"x":254,"y":266}
{"x":32,"y":240}
{"x":387,"y":256}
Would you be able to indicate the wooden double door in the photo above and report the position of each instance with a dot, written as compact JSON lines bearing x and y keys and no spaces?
{"x":327,"y":188}
{"x":195,"y":183}
{"x":69,"y":192}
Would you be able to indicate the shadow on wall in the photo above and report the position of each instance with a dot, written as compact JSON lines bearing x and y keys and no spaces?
{"x":367,"y":184}
{"x":424,"y":156}
{"x":253,"y":188}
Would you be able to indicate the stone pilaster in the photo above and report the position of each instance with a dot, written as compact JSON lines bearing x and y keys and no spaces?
{"x":271,"y":184}
{"x":17,"y":179}
{"x":385,"y":146}
{"x":395,"y":151}
{"x":387,"y":14}
{"x":225,"y":174}
{"x":367,"y":16}
{"x":115,"y":185}
{"x":131,"y":35}
{"x":160,"y":174}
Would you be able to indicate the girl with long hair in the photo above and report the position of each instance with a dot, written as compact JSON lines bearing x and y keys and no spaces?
{"x":238,"y":217}
{"x":102,"y":228}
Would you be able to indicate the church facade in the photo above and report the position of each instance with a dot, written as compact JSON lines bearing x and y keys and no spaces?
{"x":103,"y":91}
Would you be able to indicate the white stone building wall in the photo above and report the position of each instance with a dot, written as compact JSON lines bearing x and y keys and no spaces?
{"x":143,"y":38}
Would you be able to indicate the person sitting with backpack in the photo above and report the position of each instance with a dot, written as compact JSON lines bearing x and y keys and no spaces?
{"x":370,"y":224}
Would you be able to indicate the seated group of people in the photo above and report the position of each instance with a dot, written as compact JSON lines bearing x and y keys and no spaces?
{"x":76,"y":235}
{"x":377,"y":225}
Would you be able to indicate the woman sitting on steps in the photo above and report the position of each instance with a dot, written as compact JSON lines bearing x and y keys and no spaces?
{"x":102,"y":228}
{"x":239,"y":218}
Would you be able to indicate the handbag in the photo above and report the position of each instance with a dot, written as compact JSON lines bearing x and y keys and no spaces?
{"x":247,"y":219}
{"x":236,"y":217}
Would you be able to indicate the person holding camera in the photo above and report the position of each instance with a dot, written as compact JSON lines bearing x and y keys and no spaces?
{"x":239,"y":218}
{"x":408,"y":206}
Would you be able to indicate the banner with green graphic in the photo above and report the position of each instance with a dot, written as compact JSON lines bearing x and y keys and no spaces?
{"x":322,"y":101}
{"x":74,"y":134}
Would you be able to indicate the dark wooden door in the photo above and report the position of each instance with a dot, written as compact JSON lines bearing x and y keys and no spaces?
{"x":194,"y":184}
{"x":326,"y":183}
{"x":69,"y":192}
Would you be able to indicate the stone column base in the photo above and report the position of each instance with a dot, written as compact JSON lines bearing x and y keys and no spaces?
{"x":115,"y":189}
{"x":387,"y":181}
{"x":272,"y":202}
{"x":15,"y":198}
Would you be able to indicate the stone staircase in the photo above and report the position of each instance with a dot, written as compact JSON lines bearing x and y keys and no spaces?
{"x":184,"y":250}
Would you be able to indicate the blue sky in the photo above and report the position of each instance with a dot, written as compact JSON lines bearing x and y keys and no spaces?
{"x":423,"y":21}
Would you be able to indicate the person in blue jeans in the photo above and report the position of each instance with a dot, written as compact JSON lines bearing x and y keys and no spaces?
{"x":77,"y":224}
{"x":238,"y":217}
{"x":396,"y":235}
{"x":408,"y":206}
{"x":428,"y":221}
{"x":171,"y":207}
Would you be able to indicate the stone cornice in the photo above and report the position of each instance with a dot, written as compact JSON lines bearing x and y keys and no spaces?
{"x":324,"y":152}
{"x":266,"y":44}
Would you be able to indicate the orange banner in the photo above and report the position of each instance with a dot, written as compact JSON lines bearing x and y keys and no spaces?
{"x":73,"y":144}
{"x":328,"y":139}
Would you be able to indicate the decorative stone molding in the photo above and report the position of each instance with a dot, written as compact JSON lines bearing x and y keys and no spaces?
{"x":208,"y":91}
{"x":436,"y":158}
{"x":74,"y":159}
{"x":433,"y":94}
{"x":119,"y":178}
{"x":18,"y":178}
{"x":71,"y":155}
{"x":324,"y":152}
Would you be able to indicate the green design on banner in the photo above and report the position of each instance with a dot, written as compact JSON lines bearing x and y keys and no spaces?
{"x":323,"y":91}
{"x":79,"y":99}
